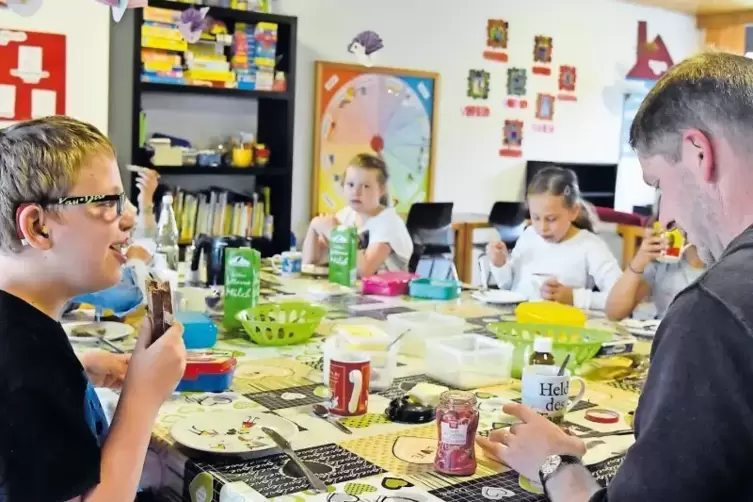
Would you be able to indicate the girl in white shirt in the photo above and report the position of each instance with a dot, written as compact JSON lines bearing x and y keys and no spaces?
{"x":389,"y":245}
{"x":559,"y":257}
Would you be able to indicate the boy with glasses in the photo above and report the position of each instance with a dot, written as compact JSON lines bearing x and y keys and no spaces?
{"x":62,"y":234}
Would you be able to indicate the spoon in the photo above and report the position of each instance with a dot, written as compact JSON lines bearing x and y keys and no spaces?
{"x":322,"y":412}
{"x":393,"y":342}
{"x":561,"y":372}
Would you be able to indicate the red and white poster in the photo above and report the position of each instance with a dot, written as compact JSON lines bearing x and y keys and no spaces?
{"x":32,"y":74}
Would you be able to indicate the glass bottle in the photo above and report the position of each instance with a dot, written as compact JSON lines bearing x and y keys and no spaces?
{"x":457,"y":422}
{"x":167,"y":235}
{"x":542,"y":352}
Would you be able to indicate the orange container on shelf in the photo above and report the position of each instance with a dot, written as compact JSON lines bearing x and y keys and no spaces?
{"x":550,"y":313}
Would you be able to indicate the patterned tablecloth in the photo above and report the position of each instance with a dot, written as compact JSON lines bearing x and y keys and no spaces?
{"x":381,"y":460}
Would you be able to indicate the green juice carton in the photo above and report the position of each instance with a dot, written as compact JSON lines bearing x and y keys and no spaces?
{"x":242,"y":283}
{"x":343,"y":256}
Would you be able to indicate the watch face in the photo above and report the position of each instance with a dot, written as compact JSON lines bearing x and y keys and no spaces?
{"x":551,"y":465}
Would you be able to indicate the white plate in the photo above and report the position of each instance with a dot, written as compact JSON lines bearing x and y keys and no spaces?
{"x":231,"y":431}
{"x":641,"y":328}
{"x":314,"y":271}
{"x":113,"y":331}
{"x":327,"y":289}
{"x":499,"y":297}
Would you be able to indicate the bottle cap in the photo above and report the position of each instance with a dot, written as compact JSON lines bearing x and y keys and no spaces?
{"x":168,"y":198}
{"x":542,"y":344}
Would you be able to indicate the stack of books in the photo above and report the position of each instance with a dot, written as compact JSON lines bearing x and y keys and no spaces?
{"x":221,"y":212}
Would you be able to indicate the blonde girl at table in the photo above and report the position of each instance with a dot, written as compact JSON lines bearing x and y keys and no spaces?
{"x":645,"y":276}
{"x":386,"y":244}
{"x":559,"y":257}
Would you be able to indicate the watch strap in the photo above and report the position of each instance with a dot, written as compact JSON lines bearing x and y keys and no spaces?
{"x":564,"y":460}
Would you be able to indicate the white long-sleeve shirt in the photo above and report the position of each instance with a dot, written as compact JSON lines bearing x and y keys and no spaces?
{"x":580,"y":262}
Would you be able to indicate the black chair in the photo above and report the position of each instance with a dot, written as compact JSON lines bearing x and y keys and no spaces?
{"x":509,"y":220}
{"x":430,"y":227}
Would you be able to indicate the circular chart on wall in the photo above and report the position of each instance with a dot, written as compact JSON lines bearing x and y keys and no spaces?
{"x":383,"y":114}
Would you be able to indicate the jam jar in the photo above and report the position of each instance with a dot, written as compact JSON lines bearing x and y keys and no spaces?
{"x":457,"y":422}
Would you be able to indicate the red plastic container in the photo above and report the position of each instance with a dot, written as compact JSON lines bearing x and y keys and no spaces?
{"x":208,"y":371}
{"x":387,"y":284}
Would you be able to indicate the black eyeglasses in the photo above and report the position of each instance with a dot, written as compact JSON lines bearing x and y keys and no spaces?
{"x":77,"y":200}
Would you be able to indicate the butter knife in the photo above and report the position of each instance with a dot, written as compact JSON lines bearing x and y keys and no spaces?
{"x":284,"y":445}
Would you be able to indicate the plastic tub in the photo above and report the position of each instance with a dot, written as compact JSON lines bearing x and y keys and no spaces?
{"x":368,"y":340}
{"x":434,"y":289}
{"x":208,"y":371}
{"x":469,"y":361}
{"x":387,"y":284}
{"x":422,"y":327}
{"x":199,"y":331}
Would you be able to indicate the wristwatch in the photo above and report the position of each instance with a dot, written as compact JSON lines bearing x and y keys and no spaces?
{"x":552,"y":464}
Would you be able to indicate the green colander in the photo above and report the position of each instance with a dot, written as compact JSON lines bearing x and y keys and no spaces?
{"x":581,"y":343}
{"x":276,"y":324}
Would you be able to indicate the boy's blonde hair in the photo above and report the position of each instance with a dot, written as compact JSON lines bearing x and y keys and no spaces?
{"x":40,"y":160}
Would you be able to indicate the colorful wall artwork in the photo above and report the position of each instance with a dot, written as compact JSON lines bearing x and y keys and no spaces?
{"x":512,"y":139}
{"x":566,"y":83}
{"x":517,"y":86}
{"x":542,"y":55}
{"x":478,"y":84}
{"x":652,"y":62}
{"x":382,"y":111}
{"x":32,"y":74}
{"x":496,"y":40}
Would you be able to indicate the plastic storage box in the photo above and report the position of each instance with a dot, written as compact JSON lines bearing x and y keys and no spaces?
{"x":421,"y":328}
{"x":208,"y":371}
{"x":199,"y":331}
{"x":434,"y":289}
{"x":368,"y":340}
{"x":387,"y":284}
{"x":469,"y":361}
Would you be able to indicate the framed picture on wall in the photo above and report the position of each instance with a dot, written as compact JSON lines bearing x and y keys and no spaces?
{"x":388,"y":112}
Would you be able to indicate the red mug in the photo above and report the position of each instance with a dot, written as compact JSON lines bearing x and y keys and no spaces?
{"x":349,"y":374}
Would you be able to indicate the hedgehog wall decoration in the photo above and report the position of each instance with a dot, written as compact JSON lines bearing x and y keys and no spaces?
{"x":364,"y":45}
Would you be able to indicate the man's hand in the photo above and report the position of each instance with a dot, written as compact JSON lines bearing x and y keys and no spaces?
{"x":652,"y":246}
{"x":555,"y":291}
{"x":105,"y":369}
{"x":527,"y":445}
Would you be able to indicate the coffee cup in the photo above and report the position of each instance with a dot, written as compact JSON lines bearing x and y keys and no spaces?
{"x":290,"y":263}
{"x":676,"y":244}
{"x":347,"y":374}
{"x":547,"y":393}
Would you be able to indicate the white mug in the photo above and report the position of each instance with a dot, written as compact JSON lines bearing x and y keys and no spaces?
{"x":290,"y":263}
{"x":549,"y":394}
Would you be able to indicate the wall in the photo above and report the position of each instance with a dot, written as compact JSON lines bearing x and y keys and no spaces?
{"x":596,"y":36}
{"x":86,"y":25}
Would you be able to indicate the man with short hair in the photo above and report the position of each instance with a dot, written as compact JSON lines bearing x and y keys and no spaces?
{"x":694,"y":423}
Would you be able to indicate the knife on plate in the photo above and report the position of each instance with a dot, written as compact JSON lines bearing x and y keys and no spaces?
{"x":284,"y":445}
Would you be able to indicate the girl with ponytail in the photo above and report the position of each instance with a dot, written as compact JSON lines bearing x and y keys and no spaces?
{"x":559,"y":257}
{"x":386,"y":242}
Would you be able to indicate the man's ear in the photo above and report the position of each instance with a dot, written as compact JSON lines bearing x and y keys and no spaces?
{"x":698,"y":151}
{"x":31,"y":228}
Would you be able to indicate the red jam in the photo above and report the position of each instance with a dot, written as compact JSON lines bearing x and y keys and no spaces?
{"x":457,"y":422}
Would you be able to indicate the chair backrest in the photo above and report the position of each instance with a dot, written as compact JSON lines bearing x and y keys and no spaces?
{"x":508,"y":218}
{"x":430,"y":223}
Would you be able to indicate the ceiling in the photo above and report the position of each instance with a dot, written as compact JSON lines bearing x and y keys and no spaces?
{"x":700,"y":6}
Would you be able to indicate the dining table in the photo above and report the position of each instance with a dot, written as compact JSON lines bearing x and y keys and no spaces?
{"x":379,"y":460}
